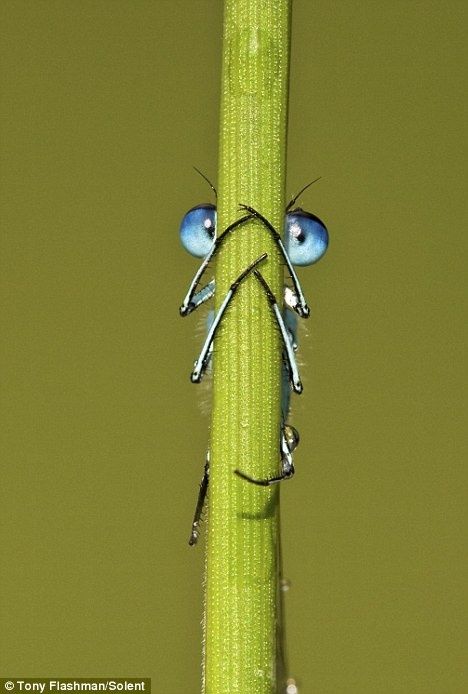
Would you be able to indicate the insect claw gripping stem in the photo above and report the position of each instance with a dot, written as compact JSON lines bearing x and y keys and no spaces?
{"x":301,"y":307}
{"x":201,"y":363}
{"x":265,"y":483}
{"x":287,"y":465}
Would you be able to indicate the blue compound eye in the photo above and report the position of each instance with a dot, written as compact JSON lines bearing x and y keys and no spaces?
{"x":198,"y":229}
{"x":306,"y":237}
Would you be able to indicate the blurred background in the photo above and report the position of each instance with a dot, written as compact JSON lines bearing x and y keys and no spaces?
{"x":106,"y":105}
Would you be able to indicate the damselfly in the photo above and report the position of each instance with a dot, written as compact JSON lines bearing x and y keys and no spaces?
{"x":305,"y":242}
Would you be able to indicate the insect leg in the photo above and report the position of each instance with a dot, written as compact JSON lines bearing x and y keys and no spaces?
{"x":201,"y":363}
{"x":293,"y":370}
{"x":291,"y":300}
{"x":188,"y":304}
{"x":300,"y":305}
{"x":290,"y":321}
{"x":203,"y":295}
{"x":287,"y":446}
{"x":200,"y":502}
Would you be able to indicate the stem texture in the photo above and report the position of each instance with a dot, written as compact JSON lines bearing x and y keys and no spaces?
{"x":241,"y":602}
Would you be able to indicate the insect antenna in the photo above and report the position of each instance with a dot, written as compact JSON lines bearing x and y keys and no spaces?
{"x":208,"y":181}
{"x":298,"y":195}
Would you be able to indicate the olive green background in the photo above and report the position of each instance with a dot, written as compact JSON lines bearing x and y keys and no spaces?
{"x":106,"y":105}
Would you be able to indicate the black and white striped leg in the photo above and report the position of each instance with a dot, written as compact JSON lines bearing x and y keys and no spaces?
{"x":202,"y":361}
{"x":200,"y":297}
{"x":291,"y":359}
{"x":297,"y":300}
{"x":193,"y":299}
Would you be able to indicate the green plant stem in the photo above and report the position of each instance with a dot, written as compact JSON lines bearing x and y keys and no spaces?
{"x":242,"y":547}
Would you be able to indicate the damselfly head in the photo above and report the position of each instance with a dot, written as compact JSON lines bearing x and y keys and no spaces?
{"x":198,"y":229}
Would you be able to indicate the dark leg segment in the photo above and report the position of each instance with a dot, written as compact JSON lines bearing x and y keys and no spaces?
{"x":188,"y":305}
{"x":287,"y":466}
{"x":200,"y":502}
{"x":201,"y":363}
{"x":291,"y":359}
{"x":299,"y":304}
